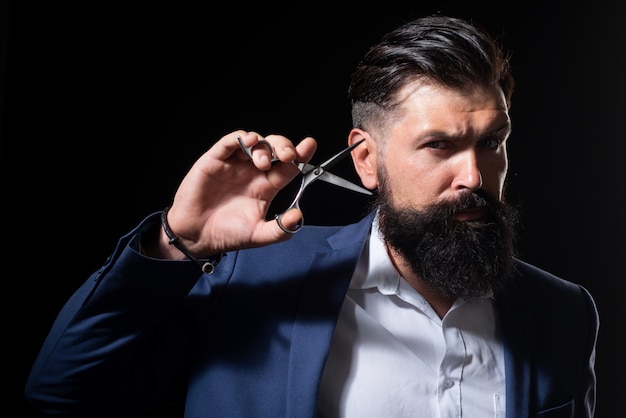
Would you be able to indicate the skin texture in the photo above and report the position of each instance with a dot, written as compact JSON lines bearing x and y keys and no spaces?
{"x":442,"y":143}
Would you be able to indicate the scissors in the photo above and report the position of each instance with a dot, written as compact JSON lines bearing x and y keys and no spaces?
{"x":310,"y":174}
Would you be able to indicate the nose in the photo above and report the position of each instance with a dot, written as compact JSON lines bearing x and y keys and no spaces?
{"x":468,"y":174}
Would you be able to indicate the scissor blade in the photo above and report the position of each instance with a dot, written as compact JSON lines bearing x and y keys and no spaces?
{"x":304,"y":167}
{"x":340,"y":155}
{"x":341,"y":182}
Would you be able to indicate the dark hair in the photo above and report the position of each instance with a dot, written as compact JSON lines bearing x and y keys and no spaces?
{"x":446,"y":50}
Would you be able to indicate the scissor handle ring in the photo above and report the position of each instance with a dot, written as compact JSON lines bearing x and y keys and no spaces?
{"x":278,"y":218}
{"x":268,"y":145}
{"x":260,"y":142}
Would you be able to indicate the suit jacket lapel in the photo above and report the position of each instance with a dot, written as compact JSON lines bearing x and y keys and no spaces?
{"x":322,"y":295}
{"x":512,"y":307}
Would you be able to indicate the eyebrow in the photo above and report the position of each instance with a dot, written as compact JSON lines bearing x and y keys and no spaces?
{"x":504,"y":130}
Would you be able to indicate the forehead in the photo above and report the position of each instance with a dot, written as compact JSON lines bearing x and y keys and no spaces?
{"x":427,"y":105}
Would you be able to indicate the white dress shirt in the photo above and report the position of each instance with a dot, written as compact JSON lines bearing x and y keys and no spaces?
{"x":392,"y":356}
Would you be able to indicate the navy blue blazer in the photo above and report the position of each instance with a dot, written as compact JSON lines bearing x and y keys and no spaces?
{"x":251,"y":339}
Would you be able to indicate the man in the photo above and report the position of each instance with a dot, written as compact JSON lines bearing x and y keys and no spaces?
{"x":420,"y":309}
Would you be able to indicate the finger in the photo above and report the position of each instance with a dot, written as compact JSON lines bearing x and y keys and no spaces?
{"x":261,"y":154}
{"x":282,"y":174}
{"x":279,"y":148}
{"x":229,"y":144}
{"x":290,"y":221}
{"x":268,"y":232}
{"x":305,"y":149}
{"x":283,"y":148}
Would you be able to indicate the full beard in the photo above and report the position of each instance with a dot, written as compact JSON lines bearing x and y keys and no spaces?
{"x":456,"y":259}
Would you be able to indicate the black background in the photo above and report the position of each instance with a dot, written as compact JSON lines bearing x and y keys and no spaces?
{"x":106,"y":104}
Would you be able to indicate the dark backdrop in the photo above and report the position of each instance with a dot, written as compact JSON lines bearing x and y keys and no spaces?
{"x":106,"y":104}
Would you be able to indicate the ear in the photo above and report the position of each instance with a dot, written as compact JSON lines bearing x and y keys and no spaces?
{"x":365,"y":158}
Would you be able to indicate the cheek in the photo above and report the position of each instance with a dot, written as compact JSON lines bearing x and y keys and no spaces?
{"x":503,"y":167}
{"x":497,"y":177}
{"x":414,"y":184}
{"x":502,"y":181}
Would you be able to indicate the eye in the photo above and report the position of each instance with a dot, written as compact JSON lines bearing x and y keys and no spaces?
{"x":490,"y":143}
{"x":437,"y":145}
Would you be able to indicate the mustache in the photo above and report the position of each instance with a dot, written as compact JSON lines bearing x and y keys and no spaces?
{"x":478,"y":199}
{"x":442,"y":212}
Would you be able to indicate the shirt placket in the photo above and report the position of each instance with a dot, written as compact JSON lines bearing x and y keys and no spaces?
{"x":451,"y":372}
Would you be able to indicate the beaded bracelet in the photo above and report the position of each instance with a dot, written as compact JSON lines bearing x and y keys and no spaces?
{"x":207,"y":265}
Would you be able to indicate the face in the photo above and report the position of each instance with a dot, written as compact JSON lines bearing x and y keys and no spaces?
{"x":445,"y":143}
{"x":440,"y":172}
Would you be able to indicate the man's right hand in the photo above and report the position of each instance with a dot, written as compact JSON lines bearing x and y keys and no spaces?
{"x":222,"y":202}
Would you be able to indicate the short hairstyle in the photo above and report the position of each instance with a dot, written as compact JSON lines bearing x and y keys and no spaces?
{"x":445,"y":50}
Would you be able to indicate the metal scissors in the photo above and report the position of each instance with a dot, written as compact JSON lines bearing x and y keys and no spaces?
{"x":310,"y":174}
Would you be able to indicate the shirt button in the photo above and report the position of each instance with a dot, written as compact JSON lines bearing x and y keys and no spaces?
{"x":449,"y":382}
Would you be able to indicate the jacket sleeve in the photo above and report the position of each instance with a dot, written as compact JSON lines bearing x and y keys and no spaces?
{"x":120,"y":328}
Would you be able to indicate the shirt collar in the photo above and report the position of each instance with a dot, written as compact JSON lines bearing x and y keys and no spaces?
{"x":375,"y":269}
